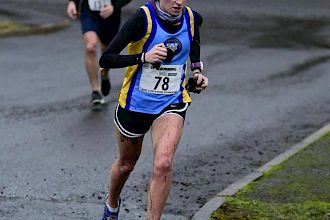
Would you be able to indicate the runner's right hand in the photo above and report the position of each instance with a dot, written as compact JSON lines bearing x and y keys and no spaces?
{"x":106,"y":11}
{"x":157,"y":54}
{"x":71,"y":10}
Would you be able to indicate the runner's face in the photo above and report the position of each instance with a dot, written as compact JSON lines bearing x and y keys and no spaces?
{"x":173,"y":7}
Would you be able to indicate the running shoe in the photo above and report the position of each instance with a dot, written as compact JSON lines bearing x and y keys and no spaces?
{"x":107,"y":214}
{"x":96,"y":101}
{"x":105,"y":85}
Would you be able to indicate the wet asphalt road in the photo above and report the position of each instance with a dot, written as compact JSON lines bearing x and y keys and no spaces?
{"x":268,"y":66}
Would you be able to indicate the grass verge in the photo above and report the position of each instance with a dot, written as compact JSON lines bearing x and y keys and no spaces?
{"x":9,"y":26}
{"x":298,"y":189}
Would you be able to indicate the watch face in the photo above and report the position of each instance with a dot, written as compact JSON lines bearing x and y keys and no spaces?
{"x":197,"y":65}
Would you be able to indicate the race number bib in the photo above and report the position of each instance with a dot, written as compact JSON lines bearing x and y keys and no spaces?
{"x":97,"y":5}
{"x":166,"y":80}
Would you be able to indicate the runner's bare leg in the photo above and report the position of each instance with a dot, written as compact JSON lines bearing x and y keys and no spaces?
{"x":104,"y":72}
{"x":166,"y":134}
{"x":129,"y":152}
{"x":92,"y":66}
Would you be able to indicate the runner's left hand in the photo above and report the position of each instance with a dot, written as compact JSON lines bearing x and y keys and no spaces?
{"x":106,"y":11}
{"x":202,"y":81}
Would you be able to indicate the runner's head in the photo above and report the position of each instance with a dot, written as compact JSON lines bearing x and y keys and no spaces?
{"x":173,"y":7}
{"x":169,"y":10}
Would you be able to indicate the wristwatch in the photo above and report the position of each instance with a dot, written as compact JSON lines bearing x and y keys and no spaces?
{"x":197,"y":65}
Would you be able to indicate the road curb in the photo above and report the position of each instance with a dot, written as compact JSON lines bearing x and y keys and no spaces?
{"x":37,"y":29}
{"x":213,"y":204}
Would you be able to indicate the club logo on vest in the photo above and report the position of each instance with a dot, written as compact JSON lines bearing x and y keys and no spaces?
{"x":174,"y":44}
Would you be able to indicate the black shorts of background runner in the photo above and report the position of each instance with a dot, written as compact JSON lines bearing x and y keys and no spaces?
{"x":106,"y":29}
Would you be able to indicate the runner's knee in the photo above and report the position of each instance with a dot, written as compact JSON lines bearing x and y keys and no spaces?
{"x":127,"y":166}
{"x":91,"y":48}
{"x":162,"y":165}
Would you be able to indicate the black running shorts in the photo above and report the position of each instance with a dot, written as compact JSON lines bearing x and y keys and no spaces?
{"x":106,"y":29}
{"x":135,"y":124}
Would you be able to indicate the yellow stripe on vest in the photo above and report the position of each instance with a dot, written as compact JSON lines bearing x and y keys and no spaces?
{"x":134,"y":48}
{"x":185,"y":94}
{"x":192,"y":25}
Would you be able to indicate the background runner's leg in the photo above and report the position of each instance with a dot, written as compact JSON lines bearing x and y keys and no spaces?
{"x":90,"y":41}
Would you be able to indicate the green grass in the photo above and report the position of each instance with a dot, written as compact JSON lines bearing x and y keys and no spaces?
{"x":298,"y":189}
{"x":236,"y":209}
{"x":10,"y":28}
{"x":6,"y":26}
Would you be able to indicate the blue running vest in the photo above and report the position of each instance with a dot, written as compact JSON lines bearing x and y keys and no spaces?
{"x":146,"y":89}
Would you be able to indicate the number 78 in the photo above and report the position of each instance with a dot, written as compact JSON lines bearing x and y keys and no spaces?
{"x":165,"y":80}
